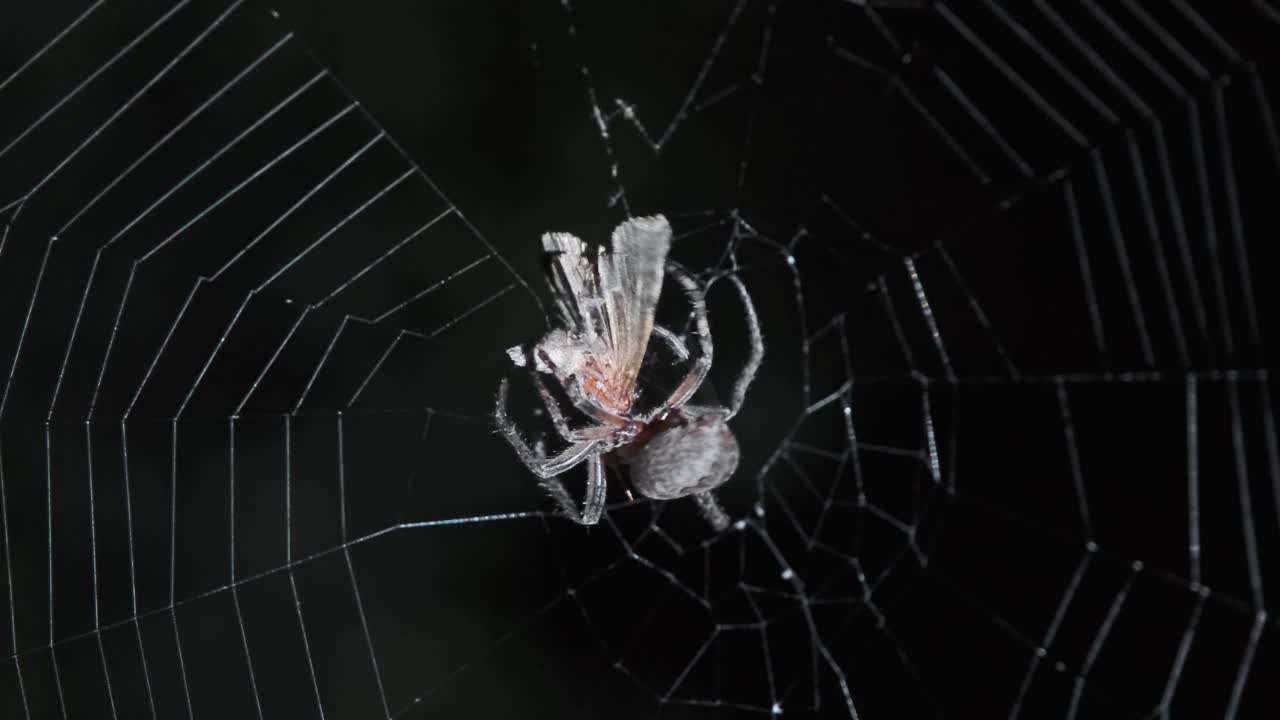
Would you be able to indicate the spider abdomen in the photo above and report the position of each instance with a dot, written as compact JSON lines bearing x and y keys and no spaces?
{"x":693,"y":454}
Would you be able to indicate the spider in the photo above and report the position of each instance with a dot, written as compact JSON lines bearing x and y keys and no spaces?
{"x":606,"y":301}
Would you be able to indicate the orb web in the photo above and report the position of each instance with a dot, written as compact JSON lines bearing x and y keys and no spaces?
{"x":1012,"y":451}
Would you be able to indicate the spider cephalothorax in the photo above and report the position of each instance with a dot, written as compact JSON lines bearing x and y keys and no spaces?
{"x":606,"y":302}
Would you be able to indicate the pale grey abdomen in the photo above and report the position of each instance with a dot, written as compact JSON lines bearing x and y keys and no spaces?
{"x":686,"y":459}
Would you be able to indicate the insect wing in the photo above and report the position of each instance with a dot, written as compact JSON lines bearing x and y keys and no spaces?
{"x":607,"y":298}
{"x":571,"y":272}
{"x":630,"y":278}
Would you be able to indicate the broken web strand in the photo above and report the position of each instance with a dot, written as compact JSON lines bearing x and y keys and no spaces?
{"x":691,"y":104}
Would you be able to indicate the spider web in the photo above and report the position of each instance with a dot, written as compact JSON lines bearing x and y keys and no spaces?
{"x":1012,"y":451}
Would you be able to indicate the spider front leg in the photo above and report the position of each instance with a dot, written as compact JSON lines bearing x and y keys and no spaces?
{"x":553,"y":409}
{"x":698,"y":373}
{"x":543,"y":467}
{"x":573,"y":390}
{"x":547,"y":469}
{"x":673,"y":342}
{"x":608,"y":422}
{"x":701,"y":366}
{"x":592,"y":506}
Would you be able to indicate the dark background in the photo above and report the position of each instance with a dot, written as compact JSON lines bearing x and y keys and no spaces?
{"x":246,"y":400}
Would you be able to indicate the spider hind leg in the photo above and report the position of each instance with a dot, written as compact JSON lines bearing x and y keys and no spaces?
{"x":712,"y":512}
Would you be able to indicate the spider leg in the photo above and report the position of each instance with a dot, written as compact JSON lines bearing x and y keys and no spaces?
{"x":698,"y":372}
{"x":706,"y":411}
{"x":553,"y":409}
{"x":579,"y":399}
{"x":673,"y":341}
{"x":563,"y":499}
{"x":548,"y":468}
{"x":543,"y":467}
{"x":749,"y":370}
{"x":593,"y":506}
{"x":711,"y":510}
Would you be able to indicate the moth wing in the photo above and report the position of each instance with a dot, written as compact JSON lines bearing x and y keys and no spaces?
{"x":630,"y":277}
{"x":571,"y":272}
